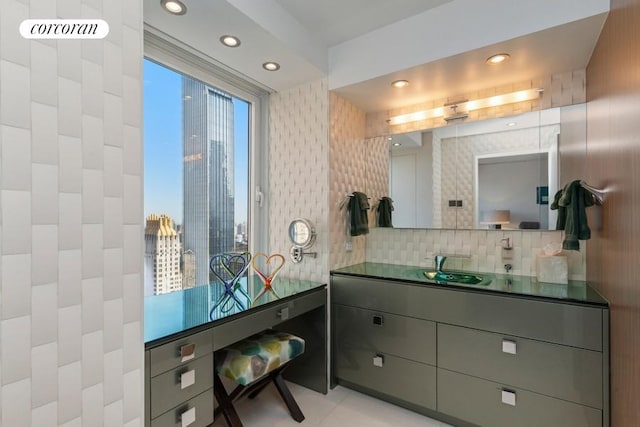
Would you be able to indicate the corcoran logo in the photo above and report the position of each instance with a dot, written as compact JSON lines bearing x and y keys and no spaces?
{"x":64,"y":29}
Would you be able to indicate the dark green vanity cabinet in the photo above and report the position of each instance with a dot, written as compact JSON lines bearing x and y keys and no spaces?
{"x":472,"y":357}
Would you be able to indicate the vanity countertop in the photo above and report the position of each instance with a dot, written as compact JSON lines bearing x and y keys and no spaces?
{"x":173,"y":313}
{"x":525,"y":286}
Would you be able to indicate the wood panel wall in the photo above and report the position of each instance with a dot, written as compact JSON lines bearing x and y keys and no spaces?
{"x":613,"y":161}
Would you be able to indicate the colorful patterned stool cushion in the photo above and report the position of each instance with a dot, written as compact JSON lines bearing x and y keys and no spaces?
{"x":254,"y":357}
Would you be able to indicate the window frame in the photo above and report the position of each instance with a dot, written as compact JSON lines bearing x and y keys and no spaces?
{"x":181,"y":58}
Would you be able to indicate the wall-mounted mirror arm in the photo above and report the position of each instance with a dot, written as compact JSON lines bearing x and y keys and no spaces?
{"x":302,"y":234}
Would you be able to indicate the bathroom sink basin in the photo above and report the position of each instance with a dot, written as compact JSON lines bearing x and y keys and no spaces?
{"x":456,"y":277}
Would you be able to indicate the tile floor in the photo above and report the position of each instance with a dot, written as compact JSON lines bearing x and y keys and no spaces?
{"x":341,"y":407}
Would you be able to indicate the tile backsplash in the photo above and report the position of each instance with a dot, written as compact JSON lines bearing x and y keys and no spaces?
{"x":481,"y":249}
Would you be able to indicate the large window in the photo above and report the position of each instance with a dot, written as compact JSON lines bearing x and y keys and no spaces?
{"x":197,"y":177}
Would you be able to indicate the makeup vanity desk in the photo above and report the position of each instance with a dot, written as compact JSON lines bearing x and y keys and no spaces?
{"x":180,"y":339}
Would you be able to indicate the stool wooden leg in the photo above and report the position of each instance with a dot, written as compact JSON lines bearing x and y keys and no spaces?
{"x":286,"y":395}
{"x":225,"y":403}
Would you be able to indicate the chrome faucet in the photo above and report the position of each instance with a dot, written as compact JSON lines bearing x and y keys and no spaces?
{"x":439,"y":262}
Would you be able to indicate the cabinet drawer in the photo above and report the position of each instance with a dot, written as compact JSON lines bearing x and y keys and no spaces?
{"x":378,"y":332}
{"x":174,"y":387}
{"x":179,"y":352}
{"x":565,"y":372}
{"x":231,"y":332}
{"x":401,"y":378}
{"x":199,"y":409}
{"x":567,"y":324}
{"x":481,"y":402}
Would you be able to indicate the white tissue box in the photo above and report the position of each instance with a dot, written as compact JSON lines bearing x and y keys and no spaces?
{"x":552,"y":269}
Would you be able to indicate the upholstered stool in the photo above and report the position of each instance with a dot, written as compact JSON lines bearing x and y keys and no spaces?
{"x":253,"y":363}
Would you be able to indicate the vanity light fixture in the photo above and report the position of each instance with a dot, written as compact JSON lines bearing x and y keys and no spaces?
{"x":396,"y":144}
{"x":230,"y":41}
{"x":175,"y":7}
{"x":271,"y":66}
{"x":400,"y":83}
{"x":498,"y":58}
{"x":461,"y":109}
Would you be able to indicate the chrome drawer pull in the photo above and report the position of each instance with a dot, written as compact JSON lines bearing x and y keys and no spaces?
{"x":187,"y":379}
{"x":378,"y":360}
{"x":187,"y":352}
{"x":284,"y":313}
{"x":188,"y":417}
{"x":378,"y":320}
{"x":509,"y":397}
{"x":509,"y":347}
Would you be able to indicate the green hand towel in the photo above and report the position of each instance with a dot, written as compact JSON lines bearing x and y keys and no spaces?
{"x":358,"y":218}
{"x":575,"y":200}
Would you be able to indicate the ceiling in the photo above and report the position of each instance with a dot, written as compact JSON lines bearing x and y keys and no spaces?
{"x":352,"y":42}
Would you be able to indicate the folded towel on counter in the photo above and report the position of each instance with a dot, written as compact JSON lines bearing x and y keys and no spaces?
{"x":385,"y":206}
{"x":358,"y":219}
{"x":571,"y":203}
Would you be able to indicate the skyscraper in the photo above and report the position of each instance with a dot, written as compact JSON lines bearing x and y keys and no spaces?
{"x":208,"y":174}
{"x":161,"y":255}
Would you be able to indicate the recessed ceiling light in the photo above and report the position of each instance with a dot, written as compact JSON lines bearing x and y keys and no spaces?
{"x":400,"y":83}
{"x":511,"y":124}
{"x":390,"y":138}
{"x":498,"y":58}
{"x":271,"y":66}
{"x":396,"y":144}
{"x":175,"y":7}
{"x":230,"y":41}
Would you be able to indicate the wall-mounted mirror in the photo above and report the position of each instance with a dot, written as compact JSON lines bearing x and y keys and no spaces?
{"x":496,"y":173}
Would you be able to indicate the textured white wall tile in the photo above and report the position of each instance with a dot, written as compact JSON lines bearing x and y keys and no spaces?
{"x":113,"y":70}
{"x":113,"y":415}
{"x":13,"y":46}
{"x":92,"y":405}
{"x":70,"y":221}
{"x":131,"y":47}
{"x":44,"y":134}
{"x":92,"y":359}
{"x":132,"y":249}
{"x":69,"y":334}
{"x":92,"y":89}
{"x":133,"y":423}
{"x":112,"y":12}
{"x":113,"y":379}
{"x":132,"y":102}
{"x":132,"y":151}
{"x":70,"y":164}
{"x":113,"y":321}
{"x":44,"y":374}
{"x":113,"y":120}
{"x":113,"y":275}
{"x":16,"y":285}
{"x":347,"y":174}
{"x":46,"y":415}
{"x":298,"y":176}
{"x":113,"y":171}
{"x":92,"y":196}
{"x":69,"y":107}
{"x":68,"y":9}
{"x":132,"y":346}
{"x":132,"y":397}
{"x":44,"y":250}
{"x":132,"y":199}
{"x":76,"y":422}
{"x":69,"y":60}
{"x":44,"y":77}
{"x":16,"y":158}
{"x":15,"y":102}
{"x":44,"y":312}
{"x":69,"y":277}
{"x":92,"y":141}
{"x":92,"y":246}
{"x":132,"y":297}
{"x":15,"y":351}
{"x":44,"y":194}
{"x":69,"y":392}
{"x":93,"y":51}
{"x":92,"y":305}
{"x":16,"y":221}
{"x":16,"y":404}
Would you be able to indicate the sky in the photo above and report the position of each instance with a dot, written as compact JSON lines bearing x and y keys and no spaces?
{"x":163,"y":145}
